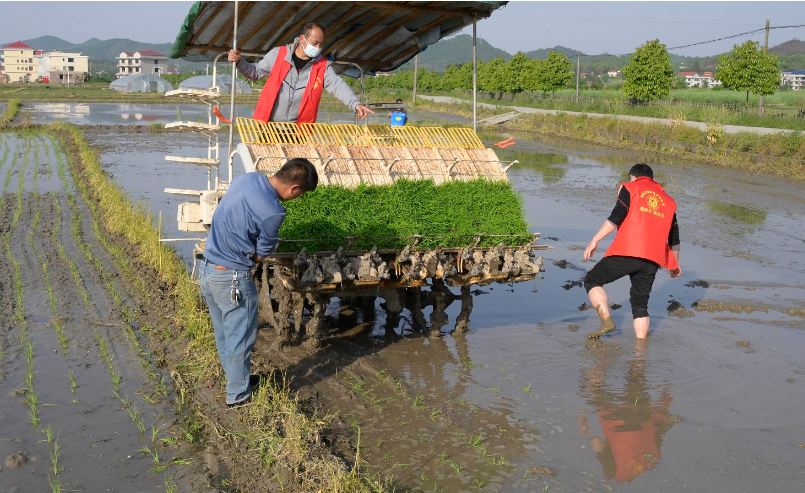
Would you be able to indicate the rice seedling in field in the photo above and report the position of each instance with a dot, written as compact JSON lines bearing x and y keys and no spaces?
{"x":284,"y":439}
{"x":55,"y":453}
{"x":73,"y":384}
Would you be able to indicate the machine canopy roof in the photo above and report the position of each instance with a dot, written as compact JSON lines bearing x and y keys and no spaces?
{"x":373,"y":35}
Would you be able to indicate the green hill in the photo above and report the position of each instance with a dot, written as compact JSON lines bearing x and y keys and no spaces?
{"x":96,"y":49}
{"x":454,"y":51}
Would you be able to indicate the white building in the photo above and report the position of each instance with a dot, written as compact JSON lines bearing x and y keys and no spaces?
{"x":693,"y":79}
{"x":141,"y":62}
{"x":56,"y":66}
{"x":795,"y":79}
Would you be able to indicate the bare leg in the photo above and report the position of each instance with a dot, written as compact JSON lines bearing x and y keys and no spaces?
{"x":599,"y":300}
{"x":641,"y":327}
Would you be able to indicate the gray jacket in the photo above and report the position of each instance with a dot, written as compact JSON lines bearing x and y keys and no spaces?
{"x":289,"y":99}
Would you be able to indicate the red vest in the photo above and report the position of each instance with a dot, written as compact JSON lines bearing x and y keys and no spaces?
{"x":309,"y":108}
{"x":644,"y":232}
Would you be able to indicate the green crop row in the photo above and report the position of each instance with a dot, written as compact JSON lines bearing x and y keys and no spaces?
{"x":10,"y":112}
{"x":451,"y":214}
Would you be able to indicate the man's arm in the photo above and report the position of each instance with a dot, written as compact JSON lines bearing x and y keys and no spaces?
{"x":612,"y":223}
{"x":673,"y":241}
{"x":269,"y":236}
{"x":602,"y":233}
{"x":336,"y":86}
{"x":254,"y":71}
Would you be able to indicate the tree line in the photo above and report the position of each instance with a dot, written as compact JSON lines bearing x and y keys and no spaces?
{"x":519,"y":74}
{"x":649,"y":74}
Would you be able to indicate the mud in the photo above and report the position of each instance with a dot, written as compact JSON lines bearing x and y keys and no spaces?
{"x":453,"y":396}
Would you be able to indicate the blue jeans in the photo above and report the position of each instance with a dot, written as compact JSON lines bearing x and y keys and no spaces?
{"x":235,"y":324}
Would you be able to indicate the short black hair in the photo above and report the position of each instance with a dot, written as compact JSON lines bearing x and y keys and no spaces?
{"x":399,"y":100}
{"x":299,"y":171}
{"x":641,"y":169}
{"x":308,"y":26}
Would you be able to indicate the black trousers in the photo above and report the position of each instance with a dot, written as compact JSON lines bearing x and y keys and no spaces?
{"x":640,"y":271}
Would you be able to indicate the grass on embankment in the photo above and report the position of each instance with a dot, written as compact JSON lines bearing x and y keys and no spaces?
{"x":705,"y":105}
{"x":273,"y":440}
{"x":10,"y":112}
{"x":774,"y":154}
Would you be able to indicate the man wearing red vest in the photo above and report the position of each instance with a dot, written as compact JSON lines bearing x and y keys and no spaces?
{"x":297,"y":73}
{"x":647,"y":239}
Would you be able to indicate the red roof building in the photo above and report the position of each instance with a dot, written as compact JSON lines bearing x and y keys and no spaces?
{"x":19,"y":45}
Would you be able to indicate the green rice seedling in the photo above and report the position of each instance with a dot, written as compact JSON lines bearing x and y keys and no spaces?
{"x":135,"y":416}
{"x":435,"y":413}
{"x":55,"y":453}
{"x":419,"y":401}
{"x":32,"y":400}
{"x":153,"y":452}
{"x":527,"y":389}
{"x":480,"y":484}
{"x":116,"y":381}
{"x":545,"y":488}
{"x":452,"y":213}
{"x":170,"y":486}
{"x":73,"y":384}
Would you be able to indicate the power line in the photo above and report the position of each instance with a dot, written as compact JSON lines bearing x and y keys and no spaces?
{"x":748,"y":33}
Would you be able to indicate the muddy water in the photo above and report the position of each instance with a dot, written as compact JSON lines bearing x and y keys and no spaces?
{"x":81,"y":409}
{"x":146,"y":114}
{"x":521,"y":402}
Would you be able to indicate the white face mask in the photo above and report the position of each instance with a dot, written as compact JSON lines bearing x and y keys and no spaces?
{"x":311,"y":50}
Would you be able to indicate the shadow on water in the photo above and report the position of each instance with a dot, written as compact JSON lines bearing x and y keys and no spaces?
{"x":633,"y":422}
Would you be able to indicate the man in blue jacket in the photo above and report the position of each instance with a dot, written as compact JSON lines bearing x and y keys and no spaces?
{"x":244,"y":231}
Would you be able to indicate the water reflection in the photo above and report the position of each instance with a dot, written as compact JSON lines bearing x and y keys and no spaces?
{"x":747,"y":215}
{"x":545,"y":164}
{"x":633,"y":424}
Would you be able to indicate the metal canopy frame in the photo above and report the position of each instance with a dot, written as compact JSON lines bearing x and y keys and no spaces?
{"x":362,"y":36}
{"x":375,"y":36}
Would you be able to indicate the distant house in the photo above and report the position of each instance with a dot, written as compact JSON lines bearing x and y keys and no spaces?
{"x":795,"y":79}
{"x":21,"y":65}
{"x":693,"y":79}
{"x":60,"y":67}
{"x":141,"y":62}
{"x":613,"y":73}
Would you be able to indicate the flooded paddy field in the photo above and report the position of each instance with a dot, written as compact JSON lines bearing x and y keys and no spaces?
{"x":521,"y":401}
{"x":84,"y":408}
{"x":146,"y":114}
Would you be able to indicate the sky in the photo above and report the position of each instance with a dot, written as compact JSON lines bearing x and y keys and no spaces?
{"x":591,"y":27}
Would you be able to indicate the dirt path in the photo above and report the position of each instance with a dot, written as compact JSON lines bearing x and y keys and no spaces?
{"x":730,"y":129}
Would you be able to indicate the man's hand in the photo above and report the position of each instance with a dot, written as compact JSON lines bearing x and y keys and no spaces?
{"x":588,"y":252}
{"x":676,"y":272}
{"x":234,"y":56}
{"x":362,"y":111}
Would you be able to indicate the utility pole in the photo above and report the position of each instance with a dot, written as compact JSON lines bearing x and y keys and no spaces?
{"x":761,"y":110}
{"x":416,"y":69}
{"x":474,"y":73}
{"x":578,"y":72}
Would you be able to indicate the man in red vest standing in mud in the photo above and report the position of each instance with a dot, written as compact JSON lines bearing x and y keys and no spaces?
{"x":297,"y":73}
{"x":647,"y":239}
